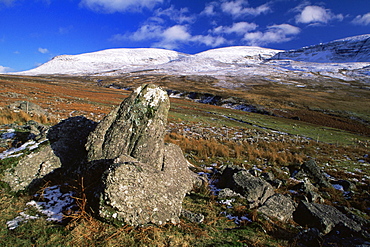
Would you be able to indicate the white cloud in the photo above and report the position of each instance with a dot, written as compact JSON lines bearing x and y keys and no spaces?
{"x":112,"y":6}
{"x":237,"y":8}
{"x":317,"y":14}
{"x":169,"y":37}
{"x":43,"y":50}
{"x":176,"y":33}
{"x":178,"y":15}
{"x":362,"y":19}
{"x":4,"y":69}
{"x":238,"y":28}
{"x":274,"y":34}
{"x":209,"y":40}
{"x":209,"y":9}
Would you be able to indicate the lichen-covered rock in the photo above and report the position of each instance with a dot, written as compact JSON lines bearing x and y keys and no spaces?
{"x":278,"y":206}
{"x":137,"y":193}
{"x":143,"y":180}
{"x":64,"y":152}
{"x":254,"y":189}
{"x":32,"y":168}
{"x":311,"y":170}
{"x":135,"y":128}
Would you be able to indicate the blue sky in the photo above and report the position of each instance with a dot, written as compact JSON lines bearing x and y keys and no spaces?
{"x":34,"y":31}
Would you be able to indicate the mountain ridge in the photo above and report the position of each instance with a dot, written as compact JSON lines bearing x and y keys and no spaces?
{"x":233,"y":60}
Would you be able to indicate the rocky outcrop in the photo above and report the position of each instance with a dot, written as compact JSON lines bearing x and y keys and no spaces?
{"x":132,"y":175}
{"x":64,"y":153}
{"x":135,"y":128}
{"x":254,"y":189}
{"x":137,"y":193}
{"x":352,"y":49}
{"x":145,"y":180}
{"x":31,"y":169}
{"x":311,"y":170}
{"x":322,"y":217}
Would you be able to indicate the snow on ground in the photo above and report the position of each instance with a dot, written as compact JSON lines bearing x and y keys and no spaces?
{"x":55,"y":202}
{"x":16,"y":152}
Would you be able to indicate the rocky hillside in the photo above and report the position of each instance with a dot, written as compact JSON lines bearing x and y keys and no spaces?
{"x":352,"y":49}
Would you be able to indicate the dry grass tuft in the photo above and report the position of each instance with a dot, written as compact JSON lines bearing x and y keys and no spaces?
{"x":7,"y":117}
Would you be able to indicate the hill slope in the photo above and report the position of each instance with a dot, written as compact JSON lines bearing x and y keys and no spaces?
{"x":351,"y":49}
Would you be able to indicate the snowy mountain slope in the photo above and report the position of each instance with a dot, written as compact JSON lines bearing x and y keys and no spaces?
{"x":106,"y":60}
{"x":351,"y":49}
{"x":238,"y":61}
{"x":239,"y":54}
{"x":128,"y":60}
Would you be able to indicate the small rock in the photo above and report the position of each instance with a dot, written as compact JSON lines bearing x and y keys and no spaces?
{"x":192,"y":217}
{"x":278,"y":206}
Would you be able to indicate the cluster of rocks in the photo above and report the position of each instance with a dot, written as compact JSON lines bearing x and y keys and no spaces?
{"x":304,"y":204}
{"x":134,"y":178}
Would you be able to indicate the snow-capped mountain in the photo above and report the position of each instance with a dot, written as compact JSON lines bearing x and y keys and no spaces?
{"x":238,"y":54}
{"x":105,"y":60}
{"x":128,"y":60}
{"x":352,"y":49}
{"x":346,"y":59}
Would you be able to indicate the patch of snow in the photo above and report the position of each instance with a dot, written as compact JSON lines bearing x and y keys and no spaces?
{"x":55,"y":203}
{"x":227,"y":202}
{"x":237,"y":220}
{"x":154,"y":96}
{"x":338,"y":187}
{"x":10,"y":134}
{"x":8,"y":153}
{"x":22,"y":218}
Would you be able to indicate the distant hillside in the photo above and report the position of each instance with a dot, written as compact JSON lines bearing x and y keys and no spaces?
{"x":334,"y":59}
{"x":352,"y":49}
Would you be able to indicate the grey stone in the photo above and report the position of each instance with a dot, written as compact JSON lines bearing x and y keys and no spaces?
{"x":137,"y":193}
{"x":347,"y":185}
{"x":314,"y":173}
{"x":65,"y":152}
{"x":278,"y":206}
{"x":309,"y":191}
{"x":254,"y":189}
{"x":227,"y":193}
{"x":322,"y":217}
{"x":147,"y":179}
{"x":192,"y":217}
{"x":32,"y":168}
{"x":135,"y":128}
{"x":268,"y":176}
{"x":27,"y":107}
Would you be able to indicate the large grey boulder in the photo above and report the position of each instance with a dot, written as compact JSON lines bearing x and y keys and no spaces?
{"x":137,"y":193}
{"x":135,"y":128}
{"x":143,"y":180}
{"x":322,"y":217}
{"x":278,"y":206}
{"x":254,"y":189}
